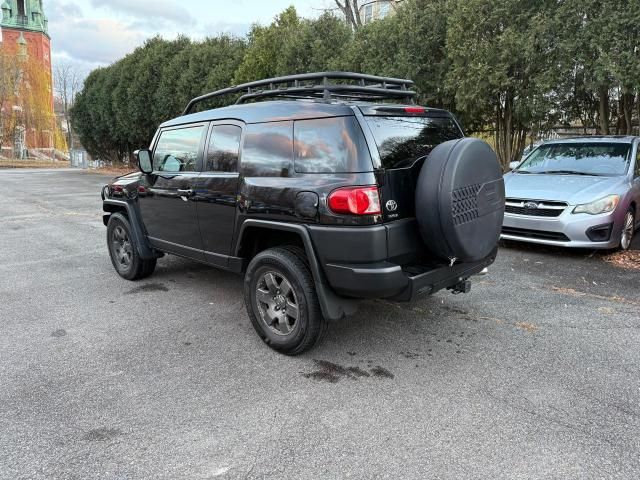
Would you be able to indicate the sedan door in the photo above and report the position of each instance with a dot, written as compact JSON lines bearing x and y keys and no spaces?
{"x":167,"y":204}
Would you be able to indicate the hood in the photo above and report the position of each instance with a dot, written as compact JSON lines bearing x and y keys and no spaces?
{"x":573,"y":189}
{"x":127,"y":179}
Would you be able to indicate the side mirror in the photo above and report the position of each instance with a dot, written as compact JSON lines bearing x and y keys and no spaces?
{"x":144,"y":160}
{"x":513,"y":165}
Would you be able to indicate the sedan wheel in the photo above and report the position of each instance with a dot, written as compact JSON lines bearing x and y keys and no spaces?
{"x":628,"y":227}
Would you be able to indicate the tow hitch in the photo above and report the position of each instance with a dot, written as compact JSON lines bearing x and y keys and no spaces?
{"x":462,"y":287}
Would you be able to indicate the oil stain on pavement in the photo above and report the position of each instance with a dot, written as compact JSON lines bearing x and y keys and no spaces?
{"x":148,"y":287}
{"x":332,"y":372}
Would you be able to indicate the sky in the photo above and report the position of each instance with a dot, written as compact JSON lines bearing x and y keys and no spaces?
{"x":91,"y":33}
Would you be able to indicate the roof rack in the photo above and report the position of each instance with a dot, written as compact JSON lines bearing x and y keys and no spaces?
{"x":320,"y":85}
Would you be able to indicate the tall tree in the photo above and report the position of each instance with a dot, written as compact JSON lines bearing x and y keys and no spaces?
{"x":291,"y":45}
{"x":10,"y":76}
{"x":410,"y":44}
{"x":602,"y":39}
{"x":502,"y":56}
{"x":271,"y":50}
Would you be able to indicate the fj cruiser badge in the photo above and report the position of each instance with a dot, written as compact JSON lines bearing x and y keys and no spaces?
{"x":392,"y":206}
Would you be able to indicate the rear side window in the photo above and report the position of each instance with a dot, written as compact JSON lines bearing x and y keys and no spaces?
{"x":268,"y":150}
{"x":330,"y":145}
{"x":177,"y":150}
{"x":224,"y":149}
{"x":402,"y":140}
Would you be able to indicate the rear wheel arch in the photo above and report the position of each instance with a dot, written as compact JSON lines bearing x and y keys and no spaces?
{"x":254,"y":239}
{"x":333,"y":306}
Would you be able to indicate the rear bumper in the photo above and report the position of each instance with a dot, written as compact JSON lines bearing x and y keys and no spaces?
{"x":386,"y":280}
{"x":367,"y":262}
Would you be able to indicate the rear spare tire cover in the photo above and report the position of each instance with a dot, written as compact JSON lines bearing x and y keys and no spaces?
{"x":460,"y":200}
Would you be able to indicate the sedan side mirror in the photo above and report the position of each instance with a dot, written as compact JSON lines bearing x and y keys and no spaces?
{"x":144,"y":160}
{"x":513,"y":165}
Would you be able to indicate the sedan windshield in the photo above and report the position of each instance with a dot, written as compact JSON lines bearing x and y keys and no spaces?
{"x":597,"y":159}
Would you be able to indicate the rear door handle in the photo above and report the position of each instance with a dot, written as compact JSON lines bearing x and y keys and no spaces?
{"x":185,"y":193}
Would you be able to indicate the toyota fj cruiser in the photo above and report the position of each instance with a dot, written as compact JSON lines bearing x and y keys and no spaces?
{"x":321,"y":189}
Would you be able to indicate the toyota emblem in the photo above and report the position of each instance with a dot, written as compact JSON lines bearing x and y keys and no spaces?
{"x":392,"y":206}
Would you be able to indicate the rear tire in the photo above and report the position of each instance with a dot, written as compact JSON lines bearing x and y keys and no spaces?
{"x":628,"y":229}
{"x":282,"y":302}
{"x":124,"y":251}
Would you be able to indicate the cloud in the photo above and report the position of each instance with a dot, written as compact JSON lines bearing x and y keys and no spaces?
{"x":94,"y":41}
{"x":99,"y":32}
{"x":146,"y":10}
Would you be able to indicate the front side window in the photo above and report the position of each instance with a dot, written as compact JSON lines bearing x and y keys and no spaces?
{"x":177,"y":150}
{"x":224,"y":149}
{"x":330,"y":145}
{"x":596,"y":159}
{"x":268,"y":150}
{"x":403,"y":140}
{"x":637,"y":171}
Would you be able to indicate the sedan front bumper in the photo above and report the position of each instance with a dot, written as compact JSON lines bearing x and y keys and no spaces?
{"x":567,"y":230}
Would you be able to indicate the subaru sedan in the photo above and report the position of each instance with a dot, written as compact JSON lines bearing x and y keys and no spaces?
{"x":579,"y":192}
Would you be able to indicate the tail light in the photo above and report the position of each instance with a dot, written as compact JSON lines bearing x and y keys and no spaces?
{"x":355,"y":201}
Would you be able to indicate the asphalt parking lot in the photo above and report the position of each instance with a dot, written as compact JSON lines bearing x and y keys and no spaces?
{"x":534,"y":374}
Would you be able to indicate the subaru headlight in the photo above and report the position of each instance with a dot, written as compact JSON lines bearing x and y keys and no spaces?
{"x":604,"y":205}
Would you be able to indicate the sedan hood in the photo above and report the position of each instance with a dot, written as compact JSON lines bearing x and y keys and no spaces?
{"x":573,"y":189}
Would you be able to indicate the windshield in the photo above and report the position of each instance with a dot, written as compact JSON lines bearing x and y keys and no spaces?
{"x":598,"y":159}
{"x":402,"y":140}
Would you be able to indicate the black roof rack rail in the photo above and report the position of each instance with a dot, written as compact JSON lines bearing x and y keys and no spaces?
{"x":305,"y":85}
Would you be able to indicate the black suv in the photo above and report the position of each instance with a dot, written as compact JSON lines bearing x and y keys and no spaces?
{"x":321,"y":189}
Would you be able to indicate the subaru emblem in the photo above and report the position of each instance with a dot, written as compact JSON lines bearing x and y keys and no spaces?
{"x":531,"y":206}
{"x":392,"y":206}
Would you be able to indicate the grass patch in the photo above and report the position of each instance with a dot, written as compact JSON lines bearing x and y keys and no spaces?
{"x":30,"y":163}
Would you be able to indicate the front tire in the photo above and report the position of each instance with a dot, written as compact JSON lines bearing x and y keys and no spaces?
{"x":124,"y":251}
{"x":281,"y":301}
{"x":628,"y":230}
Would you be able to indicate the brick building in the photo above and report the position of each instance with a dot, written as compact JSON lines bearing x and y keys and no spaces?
{"x":24,"y":34}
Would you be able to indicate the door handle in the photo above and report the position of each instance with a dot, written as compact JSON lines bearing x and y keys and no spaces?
{"x":185,"y":193}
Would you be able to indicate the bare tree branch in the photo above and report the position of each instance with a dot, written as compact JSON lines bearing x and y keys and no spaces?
{"x":351,"y":12}
{"x":67,"y":84}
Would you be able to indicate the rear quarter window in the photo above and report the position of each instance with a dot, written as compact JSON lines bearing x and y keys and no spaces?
{"x":403,"y":140}
{"x":330,"y":145}
{"x":268,"y":150}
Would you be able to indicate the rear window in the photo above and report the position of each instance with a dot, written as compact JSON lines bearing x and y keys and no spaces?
{"x":330,"y":145}
{"x":403,"y":140}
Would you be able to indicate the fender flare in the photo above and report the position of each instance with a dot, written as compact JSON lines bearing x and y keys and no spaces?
{"x":135,"y":220}
{"x":333,"y":306}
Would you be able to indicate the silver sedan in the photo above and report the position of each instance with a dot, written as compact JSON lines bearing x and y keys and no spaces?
{"x":580,"y":192}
